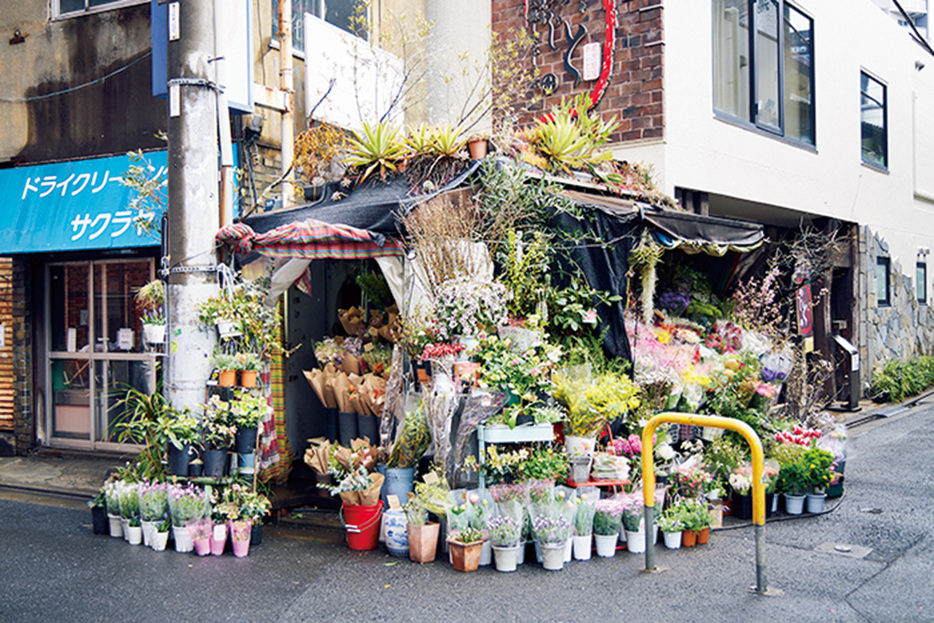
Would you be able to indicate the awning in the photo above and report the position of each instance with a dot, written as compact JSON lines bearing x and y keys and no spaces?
{"x":692,"y":233}
{"x":72,"y":206}
{"x":310,"y":239}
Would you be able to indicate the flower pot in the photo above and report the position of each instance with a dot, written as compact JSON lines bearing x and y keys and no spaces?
{"x":635,"y":541}
{"x":486,"y":554}
{"x":247,"y":378}
{"x":214,"y":462}
{"x":202,"y":547}
{"x":569,"y":550}
{"x":423,"y":541}
{"x":394,"y":527}
{"x":583,"y":547}
{"x":178,"y":459}
{"x":580,"y":468}
{"x":835,"y":489}
{"x":399,"y":481}
{"x":688,"y":538}
{"x":218,"y":538}
{"x":742,"y":505}
{"x":672,"y":539}
{"x":159,"y":540}
{"x":246,"y":462}
{"x":579,"y":446}
{"x":816,"y":502}
{"x":226,"y":329}
{"x":226,"y":378}
{"x":465,"y":556}
{"x":477,"y":149}
{"x":347,"y":421}
{"x":195,"y":470}
{"x":149,"y":529}
{"x":115,"y":525}
{"x":507,"y":558}
{"x":241,"y":548}
{"x":362,"y":524}
{"x":256,"y":533}
{"x":154,"y":333}
{"x":99,"y":520}
{"x":240,"y":536}
{"x":246,"y":440}
{"x":605,"y":545}
{"x":125,"y":528}
{"x":553,"y":555}
{"x":794,"y":504}
{"x":368,"y":426}
{"x":703,"y":536}
{"x":183,"y":542}
{"x":134,"y":535}
{"x":330,"y":424}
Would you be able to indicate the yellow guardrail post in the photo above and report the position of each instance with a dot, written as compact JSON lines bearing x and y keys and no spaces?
{"x":758,"y":486}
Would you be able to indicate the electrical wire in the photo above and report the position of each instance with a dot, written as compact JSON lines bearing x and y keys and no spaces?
{"x":785,"y":518}
{"x":77,"y":87}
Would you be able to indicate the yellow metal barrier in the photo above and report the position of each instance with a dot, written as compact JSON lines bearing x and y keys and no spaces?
{"x":758,"y":486}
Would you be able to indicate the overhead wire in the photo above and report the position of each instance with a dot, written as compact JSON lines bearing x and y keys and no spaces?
{"x":76,"y":87}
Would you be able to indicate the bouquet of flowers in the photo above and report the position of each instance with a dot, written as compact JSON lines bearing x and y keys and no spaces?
{"x":692,"y":482}
{"x":186,"y":503}
{"x":510,"y":500}
{"x":356,"y":487}
{"x":584,"y":516}
{"x":541,"y":491}
{"x":504,"y":531}
{"x":607,"y":517}
{"x":153,"y":501}
{"x":246,"y":503}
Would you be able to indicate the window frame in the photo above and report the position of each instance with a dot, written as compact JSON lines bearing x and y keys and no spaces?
{"x":57,"y":13}
{"x":884,"y":166}
{"x":886,"y":263}
{"x":298,"y":24}
{"x":752,"y":122}
{"x":921,"y":282}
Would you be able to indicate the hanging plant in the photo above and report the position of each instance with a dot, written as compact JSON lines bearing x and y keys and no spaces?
{"x":645,"y":259}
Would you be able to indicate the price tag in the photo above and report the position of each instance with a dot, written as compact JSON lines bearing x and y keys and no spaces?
{"x":431,"y":478}
{"x":394,"y":502}
{"x":368,"y":347}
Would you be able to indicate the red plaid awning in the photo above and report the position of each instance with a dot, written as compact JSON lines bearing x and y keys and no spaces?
{"x":309,"y":239}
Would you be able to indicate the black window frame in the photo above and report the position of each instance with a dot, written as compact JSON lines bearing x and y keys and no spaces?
{"x":921,"y":282}
{"x":884,"y":165}
{"x":885,"y":262}
{"x":752,"y":122}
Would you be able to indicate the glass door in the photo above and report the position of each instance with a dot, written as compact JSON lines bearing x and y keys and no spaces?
{"x":95,"y":349}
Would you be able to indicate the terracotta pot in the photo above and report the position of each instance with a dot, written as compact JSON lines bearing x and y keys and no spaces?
{"x":423,"y":541}
{"x":465,"y":556}
{"x":703,"y":536}
{"x":227,"y":378}
{"x":689,"y":538}
{"x":477,"y":148}
{"x":247,"y":378}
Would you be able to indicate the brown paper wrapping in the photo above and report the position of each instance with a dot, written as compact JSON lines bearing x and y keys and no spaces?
{"x":353,"y":321}
{"x":364,"y":498}
{"x":316,"y":456}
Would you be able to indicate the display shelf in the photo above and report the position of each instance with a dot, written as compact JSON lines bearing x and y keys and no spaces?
{"x":503,"y":434}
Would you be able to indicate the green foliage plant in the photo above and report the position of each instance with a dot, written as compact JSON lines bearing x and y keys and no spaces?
{"x":377,"y":148}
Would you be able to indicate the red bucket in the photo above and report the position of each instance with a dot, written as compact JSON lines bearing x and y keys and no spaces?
{"x":362,"y":523}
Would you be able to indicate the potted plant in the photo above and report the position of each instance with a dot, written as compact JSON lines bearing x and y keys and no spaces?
{"x":590,"y":404}
{"x":671,"y":525}
{"x":186,"y":502}
{"x":634,"y":523}
{"x":219,"y":433}
{"x":249,"y":366}
{"x":181,"y":430}
{"x":793,"y":481}
{"x":226,"y":369}
{"x":248,"y":409}
{"x":153,"y":328}
{"x":200,"y":532}
{"x":422,"y":534}
{"x":153,"y":508}
{"x":696,"y":520}
{"x":552,"y":534}
{"x":160,"y":537}
{"x":112,"y":501}
{"x":477,"y":145}
{"x":241,"y":531}
{"x":505,"y":533}
{"x":134,"y":531}
{"x":465,"y":546}
{"x":98,"y":506}
{"x":583,"y":527}
{"x":151,"y":298}
{"x":128,"y":494}
{"x":820,"y":465}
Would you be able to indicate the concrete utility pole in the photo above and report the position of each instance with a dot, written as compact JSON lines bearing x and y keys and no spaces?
{"x":193,"y":213}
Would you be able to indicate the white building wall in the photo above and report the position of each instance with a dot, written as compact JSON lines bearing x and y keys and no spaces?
{"x":704,"y":153}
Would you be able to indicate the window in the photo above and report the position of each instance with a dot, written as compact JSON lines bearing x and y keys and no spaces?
{"x":65,"y":7}
{"x":763,"y":66}
{"x":882,"y":281}
{"x":921,"y":281}
{"x":873,"y":135}
{"x":341,"y":13}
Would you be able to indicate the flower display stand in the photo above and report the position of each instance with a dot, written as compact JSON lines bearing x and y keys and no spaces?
{"x":504,"y":434}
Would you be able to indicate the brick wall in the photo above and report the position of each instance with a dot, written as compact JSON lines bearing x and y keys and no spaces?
{"x":23,"y":412}
{"x":636,"y":83}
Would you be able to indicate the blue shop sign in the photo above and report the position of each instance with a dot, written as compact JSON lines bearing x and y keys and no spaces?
{"x":72,"y":206}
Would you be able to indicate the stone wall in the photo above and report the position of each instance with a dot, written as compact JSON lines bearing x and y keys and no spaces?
{"x":904,"y":329}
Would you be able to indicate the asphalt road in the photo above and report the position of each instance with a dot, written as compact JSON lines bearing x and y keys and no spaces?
{"x":53,"y":568}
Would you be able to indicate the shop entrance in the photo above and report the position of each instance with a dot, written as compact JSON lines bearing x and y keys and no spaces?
{"x":95,"y":349}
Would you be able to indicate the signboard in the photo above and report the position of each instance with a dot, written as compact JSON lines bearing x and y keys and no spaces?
{"x":805,"y":315}
{"x":71,"y":206}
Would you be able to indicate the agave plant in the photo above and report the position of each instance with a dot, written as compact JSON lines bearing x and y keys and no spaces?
{"x":447,"y":141}
{"x":570,"y":137}
{"x":418,"y":141}
{"x":378,"y":147}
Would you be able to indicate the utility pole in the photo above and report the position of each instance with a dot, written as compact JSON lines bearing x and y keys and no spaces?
{"x":287,"y":86}
{"x":193,"y":212}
